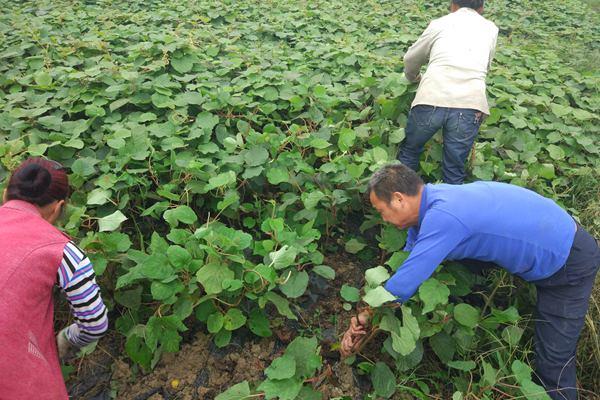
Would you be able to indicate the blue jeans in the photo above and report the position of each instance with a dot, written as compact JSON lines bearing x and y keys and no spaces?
{"x":460,"y":127}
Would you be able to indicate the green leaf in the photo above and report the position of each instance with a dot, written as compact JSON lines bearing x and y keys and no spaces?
{"x":138,"y":351}
{"x":466,"y":315}
{"x":183,"y":64}
{"x":517,"y":122}
{"x":240,"y":391}
{"x":183,"y":214}
{"x":283,"y":367}
{"x":111,"y":222}
{"x":432,"y":292}
{"x":43,"y":78}
{"x":378,"y":296}
{"x":163,"y":291}
{"x":207,"y":121}
{"x":214,"y":323}
{"x":256,"y":156}
{"x":392,"y":239}
{"x":353,"y":246}
{"x":305,"y":352}
{"x":212,"y":275}
{"x":384,"y":381}
{"x":275,"y":176}
{"x":179,"y":257}
{"x":259,"y":323}
{"x":443,"y":345}
{"x":533,"y":391}
{"x":164,"y":330}
{"x":296,"y":284}
{"x":350,"y":293}
{"x":462,"y":365}
{"x":285,"y":389}
{"x":490,"y":374}
{"x":512,"y":335}
{"x":403,"y":343}
{"x":397,"y":259}
{"x":234,"y":319}
{"x":311,"y":199}
{"x":347,"y":138}
{"x":559,"y":110}
{"x":222,"y":338}
{"x":556,"y":152}
{"x":98,"y":196}
{"x":156,"y":267}
{"x":545,"y":171}
{"x":324,"y":271}
{"x":284,"y":257}
{"x":376,"y":276}
{"x":223,"y":179}
{"x":521,"y":370}
{"x":131,"y":298}
{"x":162,"y":101}
{"x":282,"y":305}
{"x":84,"y":166}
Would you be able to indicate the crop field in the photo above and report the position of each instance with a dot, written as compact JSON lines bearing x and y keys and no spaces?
{"x":219,"y":153}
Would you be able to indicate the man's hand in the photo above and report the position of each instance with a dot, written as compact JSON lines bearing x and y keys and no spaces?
{"x":64,"y":346}
{"x":354,"y":334}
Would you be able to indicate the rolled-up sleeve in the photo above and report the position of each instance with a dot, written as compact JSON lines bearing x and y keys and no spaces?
{"x":439,"y":234}
{"x":418,"y":54}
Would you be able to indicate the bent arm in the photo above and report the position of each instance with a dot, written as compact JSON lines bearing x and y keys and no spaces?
{"x":440,"y":233}
{"x":418,"y":54}
{"x":77,"y":280}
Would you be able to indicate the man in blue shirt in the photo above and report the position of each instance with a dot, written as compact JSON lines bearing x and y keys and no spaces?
{"x":503,"y":225}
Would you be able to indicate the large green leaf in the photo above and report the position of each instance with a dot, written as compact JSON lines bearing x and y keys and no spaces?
{"x":111,"y":222}
{"x":240,"y":391}
{"x":432,"y":292}
{"x":384,"y":381}
{"x":378,"y":296}
{"x":212,"y":276}
{"x":466,"y":315}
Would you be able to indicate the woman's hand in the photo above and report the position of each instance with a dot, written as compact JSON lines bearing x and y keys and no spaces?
{"x":63,"y":345}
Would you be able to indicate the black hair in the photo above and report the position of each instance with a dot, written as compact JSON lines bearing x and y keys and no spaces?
{"x":38,"y":181}
{"x":394,"y":178}
{"x":474,"y":4}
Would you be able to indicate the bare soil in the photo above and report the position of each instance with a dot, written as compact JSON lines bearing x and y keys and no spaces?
{"x":200,"y":371}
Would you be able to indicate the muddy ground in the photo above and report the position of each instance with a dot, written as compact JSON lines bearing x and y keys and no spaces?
{"x":201,"y":371}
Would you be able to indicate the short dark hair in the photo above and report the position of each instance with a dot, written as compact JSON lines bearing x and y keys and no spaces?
{"x":474,"y":4}
{"x":394,"y":178}
{"x":38,"y":181}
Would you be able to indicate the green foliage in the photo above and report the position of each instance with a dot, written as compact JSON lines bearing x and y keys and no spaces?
{"x":286,"y":374}
{"x":212,"y":146}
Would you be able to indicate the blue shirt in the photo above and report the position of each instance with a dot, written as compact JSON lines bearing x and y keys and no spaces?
{"x":515,"y":228}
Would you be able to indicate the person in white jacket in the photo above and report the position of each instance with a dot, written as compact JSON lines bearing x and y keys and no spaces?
{"x":458,"y":48}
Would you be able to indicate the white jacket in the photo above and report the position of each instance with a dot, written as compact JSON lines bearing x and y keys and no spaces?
{"x":459,"y":47}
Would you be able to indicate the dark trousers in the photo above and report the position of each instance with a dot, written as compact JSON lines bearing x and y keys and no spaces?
{"x":562,"y":303}
{"x":460,"y":127}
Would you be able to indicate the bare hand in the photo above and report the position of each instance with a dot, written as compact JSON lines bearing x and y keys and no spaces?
{"x":355,"y":333}
{"x":63,"y":346}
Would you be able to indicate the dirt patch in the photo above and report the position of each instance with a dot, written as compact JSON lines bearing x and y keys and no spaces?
{"x":200,"y":371}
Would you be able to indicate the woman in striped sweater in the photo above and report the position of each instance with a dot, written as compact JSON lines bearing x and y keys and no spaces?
{"x":35,"y":257}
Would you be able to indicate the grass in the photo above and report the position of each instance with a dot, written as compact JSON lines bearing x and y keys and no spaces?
{"x":587,"y":195}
